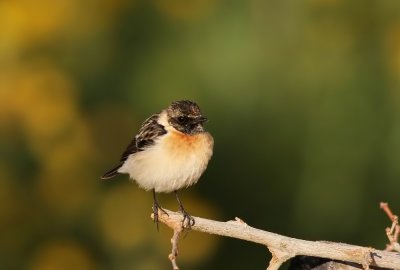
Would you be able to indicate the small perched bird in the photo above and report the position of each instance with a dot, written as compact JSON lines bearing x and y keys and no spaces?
{"x":170,"y":152}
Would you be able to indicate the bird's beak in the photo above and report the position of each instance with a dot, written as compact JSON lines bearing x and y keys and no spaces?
{"x":202,"y":119}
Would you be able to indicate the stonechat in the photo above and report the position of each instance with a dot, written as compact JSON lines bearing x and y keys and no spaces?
{"x":170,"y":152}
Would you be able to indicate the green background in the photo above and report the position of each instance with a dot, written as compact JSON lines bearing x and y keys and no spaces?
{"x":303,"y":99}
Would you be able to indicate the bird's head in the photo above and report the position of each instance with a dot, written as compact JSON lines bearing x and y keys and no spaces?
{"x":186,"y":117}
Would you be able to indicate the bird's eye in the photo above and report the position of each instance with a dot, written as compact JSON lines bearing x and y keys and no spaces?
{"x":182,"y":119}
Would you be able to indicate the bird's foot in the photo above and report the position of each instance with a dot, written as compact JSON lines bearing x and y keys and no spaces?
{"x":157,"y":207}
{"x":188,"y":221}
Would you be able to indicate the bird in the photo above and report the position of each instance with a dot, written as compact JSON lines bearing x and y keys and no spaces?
{"x":170,"y":152}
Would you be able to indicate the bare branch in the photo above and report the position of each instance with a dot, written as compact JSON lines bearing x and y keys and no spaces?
{"x":393,"y":232}
{"x":283,"y":247}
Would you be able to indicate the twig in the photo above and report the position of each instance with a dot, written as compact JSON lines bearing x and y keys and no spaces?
{"x":392,"y":232}
{"x":176,"y":226}
{"x":284,"y":247}
{"x":174,"y":252}
{"x":385,"y":207}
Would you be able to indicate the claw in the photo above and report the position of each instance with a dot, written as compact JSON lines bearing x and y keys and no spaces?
{"x":188,"y":220}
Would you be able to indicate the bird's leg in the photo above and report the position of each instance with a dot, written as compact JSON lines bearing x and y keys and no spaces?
{"x":156,"y":206}
{"x":186,"y":216}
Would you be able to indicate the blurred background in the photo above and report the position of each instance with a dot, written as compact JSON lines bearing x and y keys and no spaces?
{"x":303,"y":99}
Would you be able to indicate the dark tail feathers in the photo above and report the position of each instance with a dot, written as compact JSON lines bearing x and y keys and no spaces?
{"x":111,"y":173}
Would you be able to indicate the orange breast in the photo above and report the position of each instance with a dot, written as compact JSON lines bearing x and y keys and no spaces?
{"x":183,"y":144}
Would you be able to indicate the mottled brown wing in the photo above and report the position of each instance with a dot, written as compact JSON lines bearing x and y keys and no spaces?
{"x":148,"y":132}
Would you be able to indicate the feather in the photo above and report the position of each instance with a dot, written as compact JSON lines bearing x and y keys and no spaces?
{"x":111,"y":173}
{"x":149,"y":131}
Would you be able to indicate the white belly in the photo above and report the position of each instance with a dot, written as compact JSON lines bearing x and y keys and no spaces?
{"x":175,"y":161}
